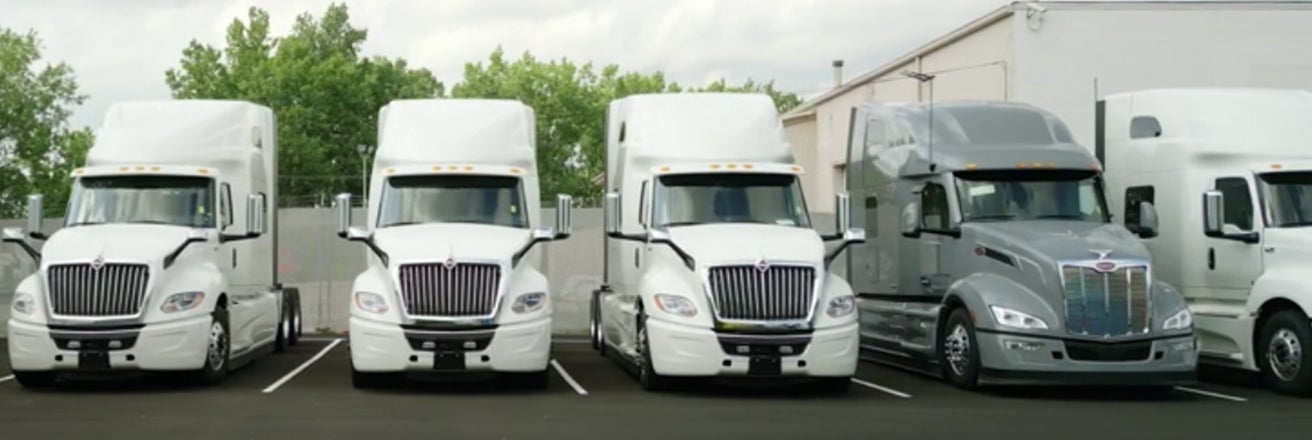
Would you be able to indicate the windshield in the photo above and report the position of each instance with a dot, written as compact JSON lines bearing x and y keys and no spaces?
{"x":692,"y":199}
{"x":488,"y":200}
{"x":166,"y":200}
{"x":1031,"y":195}
{"x":1288,"y":198}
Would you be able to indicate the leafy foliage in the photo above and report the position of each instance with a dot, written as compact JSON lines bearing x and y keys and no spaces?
{"x":37,"y":147}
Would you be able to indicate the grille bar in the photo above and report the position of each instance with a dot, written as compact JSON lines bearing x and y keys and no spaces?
{"x":115,"y":289}
{"x":744,"y":292}
{"x":1113,"y":303}
{"x":466,"y":289}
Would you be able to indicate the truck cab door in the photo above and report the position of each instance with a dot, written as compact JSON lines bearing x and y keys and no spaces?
{"x":227,"y":257}
{"x":1232,"y":265}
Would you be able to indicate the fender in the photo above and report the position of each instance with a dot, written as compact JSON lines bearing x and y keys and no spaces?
{"x":980,"y":290}
{"x":1282,"y":282}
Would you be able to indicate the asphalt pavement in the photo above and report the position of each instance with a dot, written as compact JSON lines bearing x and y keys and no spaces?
{"x":306,"y":393}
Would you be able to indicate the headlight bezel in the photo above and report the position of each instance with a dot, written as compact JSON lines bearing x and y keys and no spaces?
{"x":1183,"y":318}
{"x":370,"y":302}
{"x":182,"y":302}
{"x":677,"y":305}
{"x":21,"y":298}
{"x":1012,"y":318}
{"x":519,"y":306}
{"x":848,"y":305}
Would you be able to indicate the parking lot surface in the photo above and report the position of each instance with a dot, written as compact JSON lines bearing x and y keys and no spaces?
{"x":307,"y":393}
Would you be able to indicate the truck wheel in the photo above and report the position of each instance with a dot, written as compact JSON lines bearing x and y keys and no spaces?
{"x":958,"y":353}
{"x":218,"y":351}
{"x":647,"y":372}
{"x":283,"y":339}
{"x":35,"y":379}
{"x":294,"y":333}
{"x":361,"y":380}
{"x":594,"y":325}
{"x":1285,"y":362}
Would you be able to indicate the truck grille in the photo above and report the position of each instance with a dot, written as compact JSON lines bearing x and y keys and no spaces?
{"x":746,"y":292}
{"x":464,"y":289}
{"x":1112,"y":303}
{"x":115,"y":289}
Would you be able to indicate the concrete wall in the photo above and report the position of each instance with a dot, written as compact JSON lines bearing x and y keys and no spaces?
{"x":312,"y":258}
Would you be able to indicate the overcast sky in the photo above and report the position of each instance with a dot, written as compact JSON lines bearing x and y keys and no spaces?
{"x":120,"y":49}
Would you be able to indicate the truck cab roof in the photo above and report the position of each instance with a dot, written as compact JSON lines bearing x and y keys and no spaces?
{"x":190,"y":132}
{"x":456,"y":132}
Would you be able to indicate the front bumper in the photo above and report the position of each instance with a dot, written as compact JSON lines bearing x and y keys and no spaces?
{"x":382,"y":347}
{"x":172,"y":346}
{"x":681,"y":350}
{"x":1011,"y":359}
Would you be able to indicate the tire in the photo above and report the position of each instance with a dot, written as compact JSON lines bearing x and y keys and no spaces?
{"x":834,"y":385}
{"x":533,"y":381}
{"x":362,"y":381}
{"x":647,"y":376}
{"x":283,"y":339}
{"x":35,"y":379}
{"x":958,"y":353}
{"x":218,"y":354}
{"x":296,"y":327}
{"x":594,"y":326}
{"x":1284,"y":355}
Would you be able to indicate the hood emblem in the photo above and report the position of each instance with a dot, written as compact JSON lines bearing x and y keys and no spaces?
{"x":98,"y":263}
{"x":449,"y":264}
{"x":762,"y":265}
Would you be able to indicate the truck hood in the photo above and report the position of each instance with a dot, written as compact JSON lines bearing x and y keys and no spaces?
{"x":114,"y":242}
{"x":1288,"y":247}
{"x":1046,"y":241}
{"x":716,"y":244}
{"x":437,"y":242}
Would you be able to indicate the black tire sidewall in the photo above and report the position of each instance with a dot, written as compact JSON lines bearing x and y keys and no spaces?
{"x":209,"y":373}
{"x":970,"y":378}
{"x":1302,"y":328}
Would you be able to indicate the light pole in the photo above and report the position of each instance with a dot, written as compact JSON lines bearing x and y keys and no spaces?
{"x":364,"y":151}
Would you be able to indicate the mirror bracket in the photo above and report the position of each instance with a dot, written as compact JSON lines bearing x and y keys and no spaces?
{"x":15,"y":236}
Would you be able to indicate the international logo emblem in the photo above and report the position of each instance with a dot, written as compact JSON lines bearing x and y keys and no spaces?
{"x":98,"y":263}
{"x":449,"y":264}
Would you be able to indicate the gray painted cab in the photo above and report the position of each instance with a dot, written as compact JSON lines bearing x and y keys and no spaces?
{"x":991,"y":256}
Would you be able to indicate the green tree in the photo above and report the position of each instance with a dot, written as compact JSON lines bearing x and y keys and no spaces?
{"x":784,"y":101}
{"x":37,"y":147}
{"x":325,"y":94}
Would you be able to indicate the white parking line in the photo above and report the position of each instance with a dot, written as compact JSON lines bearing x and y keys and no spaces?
{"x":303,"y":366}
{"x":1212,"y":394}
{"x":559,"y":369}
{"x":881,"y":388}
{"x":6,"y":378}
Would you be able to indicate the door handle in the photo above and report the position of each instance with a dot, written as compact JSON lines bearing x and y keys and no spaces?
{"x":635,"y":257}
{"x":924,"y":280}
{"x":1211,"y":258}
{"x":234,"y":258}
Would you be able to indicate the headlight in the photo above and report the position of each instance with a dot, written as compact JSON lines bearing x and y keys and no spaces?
{"x":24,"y":303}
{"x":675,"y":305}
{"x":529,"y":302}
{"x":181,"y":302}
{"x":1012,"y":318}
{"x":842,"y":306}
{"x":371,"y":302}
{"x":1180,"y":320}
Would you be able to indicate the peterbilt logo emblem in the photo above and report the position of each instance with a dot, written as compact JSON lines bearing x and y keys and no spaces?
{"x":762,"y":266}
{"x":1105,"y":266}
{"x":449,"y":264}
{"x":98,"y":263}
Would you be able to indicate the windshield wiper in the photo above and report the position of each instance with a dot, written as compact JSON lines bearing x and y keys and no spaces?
{"x":402,"y":224}
{"x":993,"y":217}
{"x":1296,"y":224}
{"x":1061,"y":216}
{"x":85,"y":224}
{"x":667,"y":225}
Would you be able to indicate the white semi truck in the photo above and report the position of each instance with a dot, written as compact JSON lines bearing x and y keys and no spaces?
{"x":166,"y":259}
{"x":1231,"y":172}
{"x":453,"y":281}
{"x":713,"y":268}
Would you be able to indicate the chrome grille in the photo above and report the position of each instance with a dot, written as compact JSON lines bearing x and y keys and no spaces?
{"x":465,"y":289}
{"x":114,"y":289}
{"x":745,"y":292}
{"x":1112,"y":303}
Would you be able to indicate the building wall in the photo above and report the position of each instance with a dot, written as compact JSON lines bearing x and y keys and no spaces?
{"x":974,"y":67}
{"x":1134,"y":48}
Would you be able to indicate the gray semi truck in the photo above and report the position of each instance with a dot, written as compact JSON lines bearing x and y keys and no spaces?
{"x":992,"y":258}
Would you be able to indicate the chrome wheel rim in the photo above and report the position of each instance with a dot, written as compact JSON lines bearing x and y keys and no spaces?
{"x":218,"y":346}
{"x":1285,"y":354}
{"x":957,"y":349}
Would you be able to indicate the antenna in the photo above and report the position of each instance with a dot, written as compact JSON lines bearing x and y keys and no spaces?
{"x":927,"y":78}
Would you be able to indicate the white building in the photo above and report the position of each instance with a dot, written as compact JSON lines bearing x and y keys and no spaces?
{"x":1061,"y":56}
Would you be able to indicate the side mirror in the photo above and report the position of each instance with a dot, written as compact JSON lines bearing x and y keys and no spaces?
{"x":34,"y":202}
{"x":1213,"y":201}
{"x":13,"y":235}
{"x":255,"y":222}
{"x":343,"y":202}
{"x":910,"y":226}
{"x":612,"y":208}
{"x":1147,"y":220}
{"x":564,"y":215}
{"x":843,"y":213}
